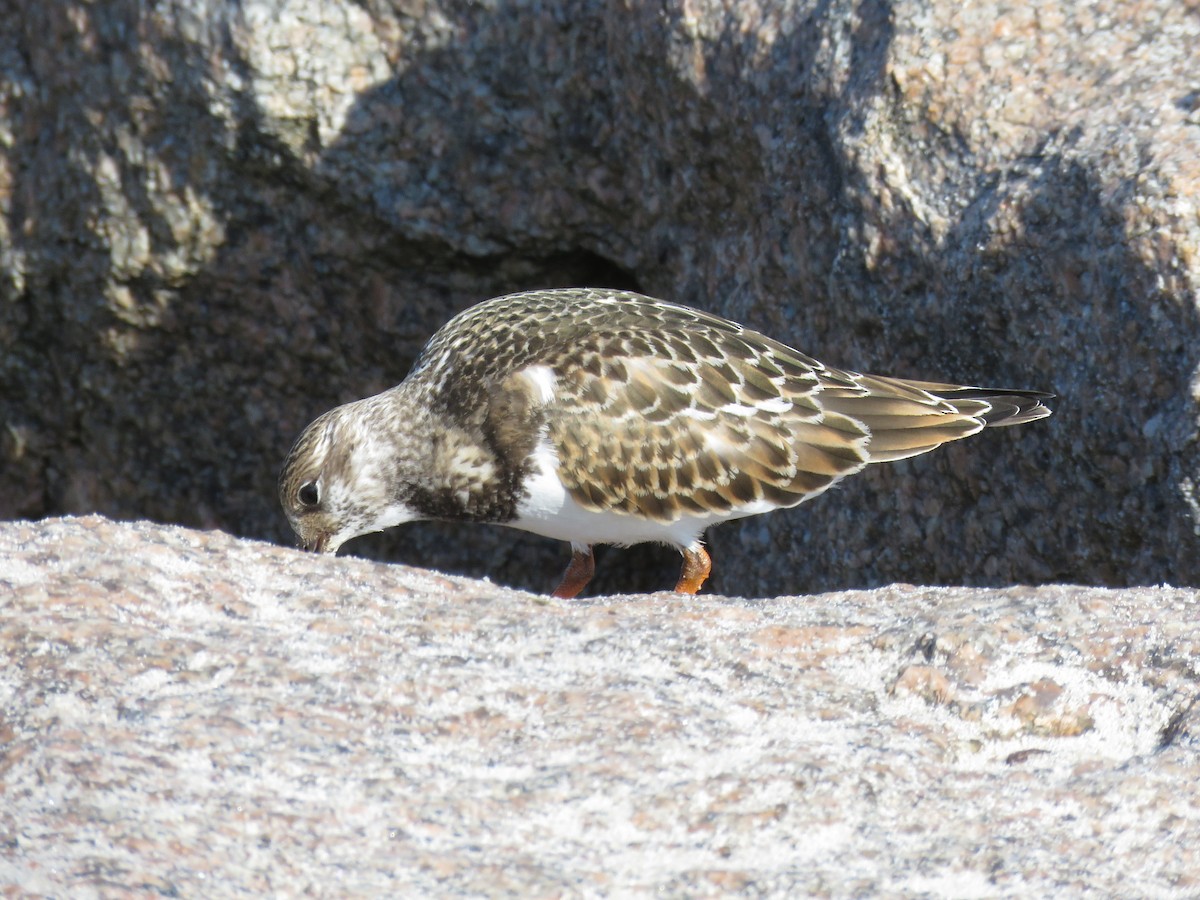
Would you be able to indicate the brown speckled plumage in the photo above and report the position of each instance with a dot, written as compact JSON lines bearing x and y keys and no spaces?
{"x":652,"y":415}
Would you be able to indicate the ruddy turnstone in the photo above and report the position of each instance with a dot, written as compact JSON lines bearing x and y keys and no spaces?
{"x":608,"y":417}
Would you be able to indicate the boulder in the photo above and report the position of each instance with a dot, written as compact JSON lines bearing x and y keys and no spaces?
{"x":187,"y":713}
{"x":218,"y":220}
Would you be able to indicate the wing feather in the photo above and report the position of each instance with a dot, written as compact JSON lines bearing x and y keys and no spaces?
{"x":716,"y":435}
{"x":662,"y":411}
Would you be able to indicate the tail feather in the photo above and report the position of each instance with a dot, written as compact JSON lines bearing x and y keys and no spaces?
{"x":1004,"y":407}
{"x":906,"y":418}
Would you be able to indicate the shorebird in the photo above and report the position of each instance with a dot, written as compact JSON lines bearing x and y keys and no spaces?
{"x":607,"y":417}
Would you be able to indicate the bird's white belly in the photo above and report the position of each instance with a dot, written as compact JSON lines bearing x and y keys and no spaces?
{"x":549,"y":510}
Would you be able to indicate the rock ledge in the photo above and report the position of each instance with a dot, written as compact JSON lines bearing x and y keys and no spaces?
{"x":188,"y":713}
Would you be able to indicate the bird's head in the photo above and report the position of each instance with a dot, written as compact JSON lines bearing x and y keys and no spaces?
{"x":342,"y":479}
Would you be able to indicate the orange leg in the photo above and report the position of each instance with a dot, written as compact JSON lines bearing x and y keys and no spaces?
{"x":696,"y":566}
{"x":578,"y":574}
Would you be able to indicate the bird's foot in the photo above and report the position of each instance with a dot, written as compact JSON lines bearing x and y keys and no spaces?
{"x":696,"y":568}
{"x":578,"y":574}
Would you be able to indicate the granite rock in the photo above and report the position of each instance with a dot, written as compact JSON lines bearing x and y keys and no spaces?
{"x":186,"y":713}
{"x":218,"y":220}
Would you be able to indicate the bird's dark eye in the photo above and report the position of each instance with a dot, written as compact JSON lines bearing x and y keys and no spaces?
{"x":309,"y":494}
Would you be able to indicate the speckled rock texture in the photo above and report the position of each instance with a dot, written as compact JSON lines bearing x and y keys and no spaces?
{"x":190,"y":714}
{"x":219,"y":219}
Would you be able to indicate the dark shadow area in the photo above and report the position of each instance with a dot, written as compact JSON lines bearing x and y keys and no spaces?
{"x":1092,"y":495}
{"x":1119,"y":336}
{"x":128,"y":406}
{"x":525,"y":151}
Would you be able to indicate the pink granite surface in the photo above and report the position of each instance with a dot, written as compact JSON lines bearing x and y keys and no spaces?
{"x":184,"y":713}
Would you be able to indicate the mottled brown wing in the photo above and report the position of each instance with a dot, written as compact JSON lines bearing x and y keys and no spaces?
{"x":660,"y":410}
{"x":663,"y":436}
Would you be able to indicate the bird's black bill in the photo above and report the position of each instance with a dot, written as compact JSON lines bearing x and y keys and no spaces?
{"x":316,"y":545}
